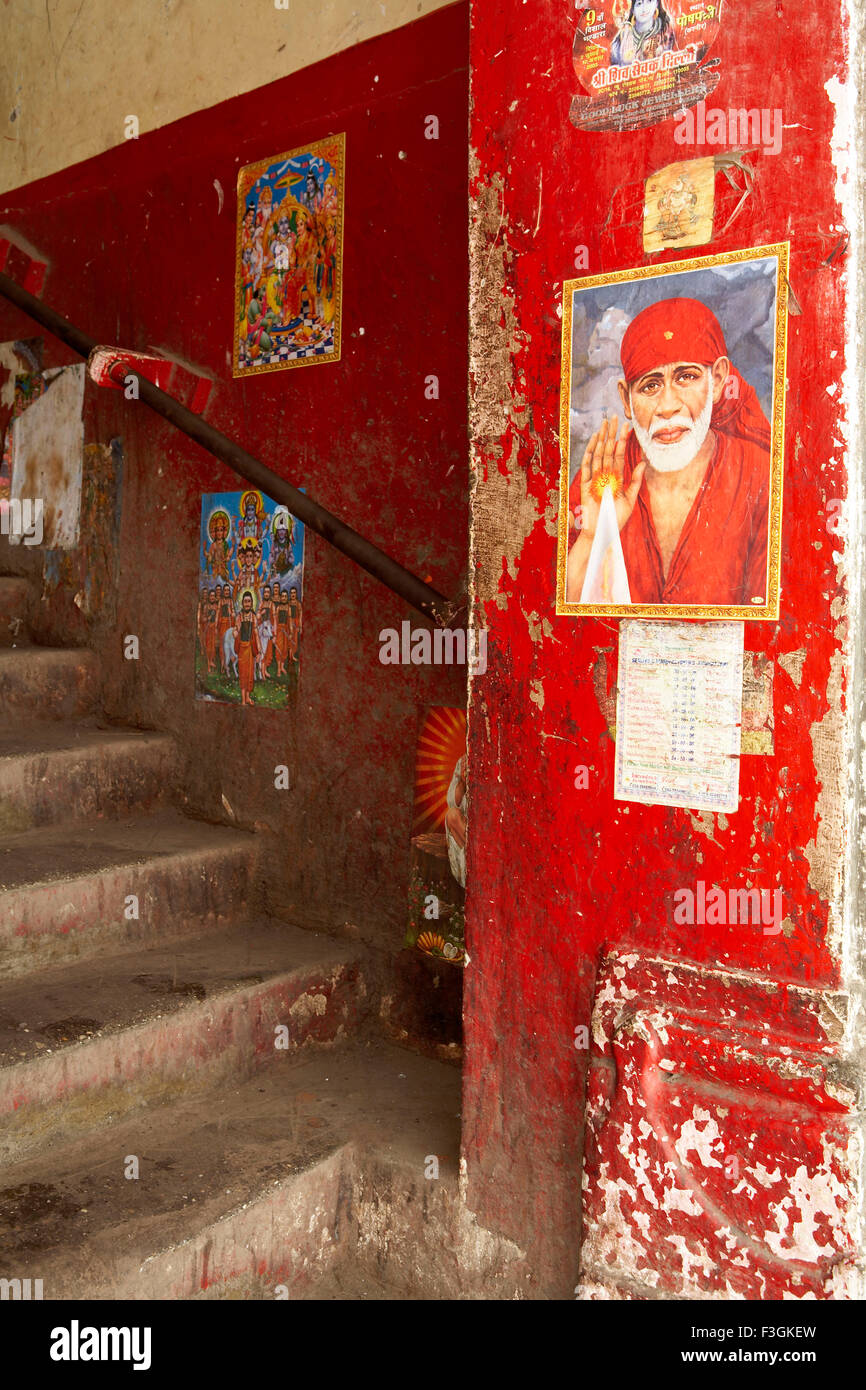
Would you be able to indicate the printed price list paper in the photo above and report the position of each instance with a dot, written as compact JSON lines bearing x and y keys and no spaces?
{"x":678,"y":714}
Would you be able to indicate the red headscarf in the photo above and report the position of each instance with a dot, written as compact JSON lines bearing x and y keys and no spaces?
{"x":685,"y":330}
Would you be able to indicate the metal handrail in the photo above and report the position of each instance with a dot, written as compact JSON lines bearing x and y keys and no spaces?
{"x":408,"y":586}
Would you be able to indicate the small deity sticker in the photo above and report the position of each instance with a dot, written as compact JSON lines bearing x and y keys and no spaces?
{"x":640,"y":61}
{"x":679,"y":205}
{"x":249,"y":616}
{"x":289,"y":259}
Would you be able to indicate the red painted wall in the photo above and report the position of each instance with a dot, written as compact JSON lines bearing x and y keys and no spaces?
{"x":141,"y":244}
{"x":142,"y":254}
{"x":558,"y":874}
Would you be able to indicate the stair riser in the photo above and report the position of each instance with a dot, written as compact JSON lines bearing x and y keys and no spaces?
{"x":289,"y":1235}
{"x":62,"y":686}
{"x":68,"y":919}
{"x":407,"y":1231}
{"x":54,"y":1098}
{"x":75,"y":786}
{"x":434,"y":1243}
{"x":285,"y":1240}
{"x":14,"y":610}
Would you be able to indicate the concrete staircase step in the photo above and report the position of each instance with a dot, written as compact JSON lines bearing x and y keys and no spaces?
{"x":65,"y":891}
{"x":48,"y":682}
{"x":242,"y":1191}
{"x":55,"y":773}
{"x":82,"y":1045}
{"x":15,"y":599}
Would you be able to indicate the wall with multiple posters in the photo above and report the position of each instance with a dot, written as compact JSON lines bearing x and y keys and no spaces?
{"x":655,"y":1003}
{"x":288,"y":276}
{"x":143,"y":243}
{"x":250,"y":601}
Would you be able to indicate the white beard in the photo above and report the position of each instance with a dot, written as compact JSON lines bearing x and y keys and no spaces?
{"x":670,"y":458}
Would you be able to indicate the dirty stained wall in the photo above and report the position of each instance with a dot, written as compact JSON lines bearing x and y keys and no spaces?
{"x":141,"y":245}
{"x":710,"y":1114}
{"x":156,"y":62}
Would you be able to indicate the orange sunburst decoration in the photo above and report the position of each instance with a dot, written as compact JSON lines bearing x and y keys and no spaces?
{"x":441,"y":742}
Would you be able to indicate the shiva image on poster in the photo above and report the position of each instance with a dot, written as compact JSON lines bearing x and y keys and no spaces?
{"x":640,"y":61}
{"x":250,"y":601}
{"x":672,"y":431}
{"x":288,"y":277}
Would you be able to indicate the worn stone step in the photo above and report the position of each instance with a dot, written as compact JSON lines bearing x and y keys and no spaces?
{"x":47,"y":683}
{"x":56,"y":773}
{"x":66,"y":891}
{"x":83,"y":1045}
{"x":257,"y":1186}
{"x":15,"y":600}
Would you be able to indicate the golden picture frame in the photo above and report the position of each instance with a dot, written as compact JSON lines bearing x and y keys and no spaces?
{"x":289,"y":259}
{"x":658,"y":321}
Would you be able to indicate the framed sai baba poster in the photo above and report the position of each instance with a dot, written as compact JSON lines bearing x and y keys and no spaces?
{"x":289,"y":259}
{"x":677,"y":511}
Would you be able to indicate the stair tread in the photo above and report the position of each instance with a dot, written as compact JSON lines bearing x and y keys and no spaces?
{"x":71,"y":1005}
{"x":64,"y":852}
{"x":25,"y":739}
{"x":77,"y":1221}
{"x":45,"y":654}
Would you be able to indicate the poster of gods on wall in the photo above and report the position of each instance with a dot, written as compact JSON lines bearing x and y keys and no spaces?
{"x":642,"y":61}
{"x":672,"y":432}
{"x":250,"y":601}
{"x":289,"y":259}
{"x":437,"y":874}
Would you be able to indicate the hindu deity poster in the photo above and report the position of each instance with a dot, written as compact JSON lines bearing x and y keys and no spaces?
{"x":640,"y":61}
{"x":672,"y":433}
{"x":438,"y":852}
{"x":289,"y":269}
{"x":250,"y":600}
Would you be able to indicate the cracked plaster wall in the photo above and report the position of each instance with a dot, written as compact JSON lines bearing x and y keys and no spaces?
{"x":558,"y":872}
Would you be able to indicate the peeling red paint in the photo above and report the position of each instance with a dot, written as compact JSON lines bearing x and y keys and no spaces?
{"x":558,"y":875}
